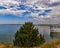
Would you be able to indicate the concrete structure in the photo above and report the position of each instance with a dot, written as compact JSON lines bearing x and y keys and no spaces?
{"x":46,"y":29}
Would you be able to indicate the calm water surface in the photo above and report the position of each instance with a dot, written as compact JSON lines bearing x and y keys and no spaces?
{"x":7,"y":32}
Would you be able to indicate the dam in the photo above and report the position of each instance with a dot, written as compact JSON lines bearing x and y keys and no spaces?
{"x":49,"y":29}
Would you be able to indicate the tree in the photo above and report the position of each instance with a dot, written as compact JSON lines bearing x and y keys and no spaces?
{"x":28,"y":36}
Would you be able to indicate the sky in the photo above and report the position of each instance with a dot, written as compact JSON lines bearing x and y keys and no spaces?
{"x":36,"y":11}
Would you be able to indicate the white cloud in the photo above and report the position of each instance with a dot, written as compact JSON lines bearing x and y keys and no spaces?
{"x":8,"y":2}
{"x":54,"y":0}
{"x":7,"y":11}
{"x":34,"y":4}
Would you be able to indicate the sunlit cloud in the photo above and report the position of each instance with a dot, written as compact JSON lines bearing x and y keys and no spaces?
{"x":39,"y":10}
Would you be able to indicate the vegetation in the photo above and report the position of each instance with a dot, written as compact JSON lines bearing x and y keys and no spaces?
{"x":6,"y":45}
{"x":28,"y":36}
{"x":52,"y":44}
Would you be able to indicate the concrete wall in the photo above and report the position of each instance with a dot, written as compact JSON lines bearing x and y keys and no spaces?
{"x":44,"y":30}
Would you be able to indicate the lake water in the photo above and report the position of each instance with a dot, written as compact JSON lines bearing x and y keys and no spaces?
{"x":7,"y":32}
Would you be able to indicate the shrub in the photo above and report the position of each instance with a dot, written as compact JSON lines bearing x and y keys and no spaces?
{"x":28,"y":36}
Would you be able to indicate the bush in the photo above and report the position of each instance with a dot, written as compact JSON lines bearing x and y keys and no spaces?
{"x":28,"y":36}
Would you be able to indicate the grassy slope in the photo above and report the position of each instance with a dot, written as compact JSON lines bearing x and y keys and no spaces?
{"x":52,"y":44}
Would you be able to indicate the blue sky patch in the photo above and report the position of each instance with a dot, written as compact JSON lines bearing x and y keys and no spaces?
{"x":48,"y":10}
{"x":26,"y":13}
{"x":33,"y":10}
{"x":22,"y":7}
{"x":23,"y":0}
{"x":1,"y":7}
{"x":42,"y":14}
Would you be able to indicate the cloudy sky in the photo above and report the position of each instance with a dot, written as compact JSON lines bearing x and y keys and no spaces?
{"x":37,"y":11}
